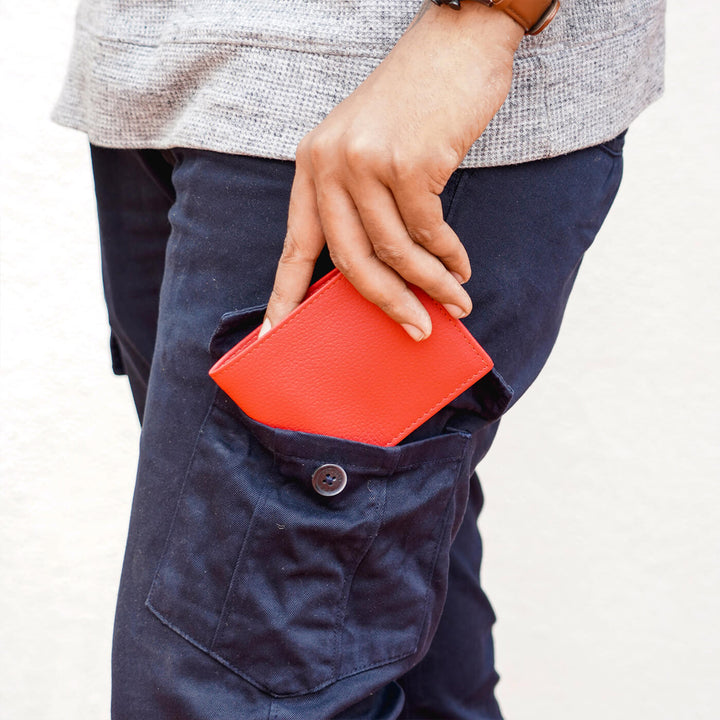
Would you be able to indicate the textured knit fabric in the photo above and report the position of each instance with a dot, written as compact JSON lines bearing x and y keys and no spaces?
{"x":252,"y":77}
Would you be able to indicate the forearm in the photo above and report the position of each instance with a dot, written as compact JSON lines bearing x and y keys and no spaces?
{"x":368,"y":177}
{"x":457,"y":64}
{"x":466,"y":23}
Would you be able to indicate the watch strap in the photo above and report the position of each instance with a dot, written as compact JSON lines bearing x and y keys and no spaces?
{"x":533,"y":15}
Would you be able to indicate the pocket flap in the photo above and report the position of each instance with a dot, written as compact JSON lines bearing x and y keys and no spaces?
{"x":233,"y":327}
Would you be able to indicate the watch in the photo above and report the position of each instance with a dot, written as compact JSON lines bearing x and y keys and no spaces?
{"x":533,"y":15}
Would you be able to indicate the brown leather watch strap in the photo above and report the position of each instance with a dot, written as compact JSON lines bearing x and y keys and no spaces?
{"x":533,"y":15}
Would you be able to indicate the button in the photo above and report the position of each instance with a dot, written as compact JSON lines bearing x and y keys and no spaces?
{"x":329,"y":480}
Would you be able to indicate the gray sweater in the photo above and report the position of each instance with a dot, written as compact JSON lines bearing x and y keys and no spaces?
{"x":253,"y":76}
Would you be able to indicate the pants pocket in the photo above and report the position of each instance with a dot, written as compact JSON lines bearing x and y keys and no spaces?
{"x":292,"y":589}
{"x":297,"y":560}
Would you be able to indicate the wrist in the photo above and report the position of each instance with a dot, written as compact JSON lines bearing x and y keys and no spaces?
{"x":477,"y":26}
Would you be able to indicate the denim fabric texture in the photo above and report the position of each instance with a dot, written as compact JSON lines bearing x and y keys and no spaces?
{"x":244,"y":593}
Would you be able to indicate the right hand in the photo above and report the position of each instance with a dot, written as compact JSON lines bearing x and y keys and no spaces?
{"x":369,"y":176}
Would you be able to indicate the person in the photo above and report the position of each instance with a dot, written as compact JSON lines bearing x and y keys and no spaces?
{"x":241,"y":151}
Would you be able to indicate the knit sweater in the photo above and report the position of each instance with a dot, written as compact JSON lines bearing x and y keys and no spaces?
{"x":252,"y":76}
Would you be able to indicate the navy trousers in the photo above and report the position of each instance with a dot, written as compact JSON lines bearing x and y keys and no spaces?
{"x":244,"y":593}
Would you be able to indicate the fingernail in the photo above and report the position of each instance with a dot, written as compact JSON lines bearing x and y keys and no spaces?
{"x":265,"y":327}
{"x":414,"y":332}
{"x":454,"y":310}
{"x":458,"y":277}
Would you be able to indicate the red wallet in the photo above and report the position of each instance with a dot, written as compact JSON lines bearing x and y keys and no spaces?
{"x":339,"y":366}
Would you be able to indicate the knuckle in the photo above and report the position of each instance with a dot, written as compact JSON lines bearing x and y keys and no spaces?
{"x":391,"y":255}
{"x":355,"y":151}
{"x":341,"y":262}
{"x":421,"y":235}
{"x":432,"y":279}
{"x":302,"y":151}
{"x":277,"y":299}
{"x":447,"y":161}
{"x":402,"y":167}
{"x":319,"y":150}
{"x":387,"y":305}
{"x":400,"y":306}
{"x":438,"y":286}
{"x":361,"y":152}
{"x":293,"y":250}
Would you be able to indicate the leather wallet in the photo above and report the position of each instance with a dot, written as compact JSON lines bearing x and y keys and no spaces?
{"x":339,"y":366}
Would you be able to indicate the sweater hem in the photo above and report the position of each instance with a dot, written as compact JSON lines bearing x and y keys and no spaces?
{"x":261,"y":101}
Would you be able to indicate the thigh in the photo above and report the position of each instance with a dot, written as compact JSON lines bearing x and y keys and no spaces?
{"x":134,"y":194}
{"x":457,"y":677}
{"x":235,"y":598}
{"x":226,"y":228}
{"x":243,"y":593}
{"x":526,"y":228}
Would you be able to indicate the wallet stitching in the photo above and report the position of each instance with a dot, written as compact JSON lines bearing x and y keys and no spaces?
{"x":399,"y":435}
{"x":467,"y":382}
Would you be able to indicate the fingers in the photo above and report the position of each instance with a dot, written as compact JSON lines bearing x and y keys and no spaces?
{"x":394,"y":246}
{"x":380,"y":235}
{"x":303,"y":243}
{"x":422,"y":215}
{"x":354,"y":255}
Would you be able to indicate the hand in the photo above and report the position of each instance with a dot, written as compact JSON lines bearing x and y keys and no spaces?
{"x":368,"y":177}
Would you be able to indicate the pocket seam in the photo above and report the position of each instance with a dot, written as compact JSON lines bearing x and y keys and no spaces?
{"x":453,"y":459}
{"x":180,"y":495}
{"x":222,"y":660}
{"x":429,"y":574}
{"x":368,"y":468}
{"x":348,"y":585}
{"x":240,"y":556}
{"x":230,"y":323}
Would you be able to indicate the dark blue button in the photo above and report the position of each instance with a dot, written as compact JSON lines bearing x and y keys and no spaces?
{"x":329,"y":480}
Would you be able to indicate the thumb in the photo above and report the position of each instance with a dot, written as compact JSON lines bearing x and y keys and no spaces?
{"x":304,"y":241}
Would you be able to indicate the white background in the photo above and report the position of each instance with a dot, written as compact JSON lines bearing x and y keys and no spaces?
{"x":601,"y":523}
